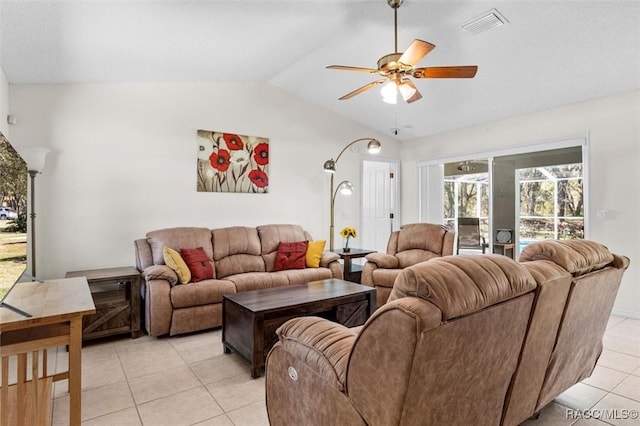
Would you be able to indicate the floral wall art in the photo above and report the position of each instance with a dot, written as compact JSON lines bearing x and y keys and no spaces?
{"x":228,"y":162}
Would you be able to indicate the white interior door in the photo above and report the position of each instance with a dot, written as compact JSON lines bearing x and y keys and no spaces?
{"x":380,"y":203}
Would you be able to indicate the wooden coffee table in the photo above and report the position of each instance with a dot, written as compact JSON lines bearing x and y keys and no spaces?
{"x":250,"y":318}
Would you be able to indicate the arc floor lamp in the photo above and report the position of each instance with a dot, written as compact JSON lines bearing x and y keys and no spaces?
{"x":345,"y":187}
{"x":35,"y":158}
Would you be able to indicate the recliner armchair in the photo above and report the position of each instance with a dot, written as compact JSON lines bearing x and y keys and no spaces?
{"x":441,"y":352}
{"x":413,"y":243}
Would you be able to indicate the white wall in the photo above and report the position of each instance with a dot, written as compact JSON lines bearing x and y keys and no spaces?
{"x":4,"y":104}
{"x":613,"y":126}
{"x":124,"y":163}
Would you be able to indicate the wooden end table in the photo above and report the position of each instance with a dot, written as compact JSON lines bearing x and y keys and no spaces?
{"x":352,"y":272}
{"x":505,"y":249}
{"x":250,"y":318}
{"x":116,"y":294}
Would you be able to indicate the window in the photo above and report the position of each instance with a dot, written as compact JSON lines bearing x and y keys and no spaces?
{"x":551,"y":203}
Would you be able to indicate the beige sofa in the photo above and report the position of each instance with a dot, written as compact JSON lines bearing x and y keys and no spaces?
{"x":243,"y":259}
{"x":463,"y":340}
{"x":412,"y":243}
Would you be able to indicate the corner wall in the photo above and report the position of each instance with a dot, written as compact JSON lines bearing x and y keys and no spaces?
{"x":613,"y":126}
{"x":124,"y":163}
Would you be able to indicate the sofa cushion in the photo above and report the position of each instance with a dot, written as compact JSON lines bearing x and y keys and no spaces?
{"x":200,"y":293}
{"x":258,"y":280}
{"x":179,"y":238}
{"x":303,"y":276}
{"x":198,"y":263}
{"x":314,"y":253}
{"x":291,"y":256}
{"x":577,"y":257}
{"x":460,"y":285}
{"x":408,"y":258}
{"x":419,"y":236}
{"x":174,"y":261}
{"x":236,"y":250}
{"x":272,"y":235}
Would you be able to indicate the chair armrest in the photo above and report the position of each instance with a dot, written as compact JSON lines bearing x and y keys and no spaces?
{"x":160,"y":272}
{"x":322,"y":345}
{"x":383,"y":260}
{"x":328,"y":257}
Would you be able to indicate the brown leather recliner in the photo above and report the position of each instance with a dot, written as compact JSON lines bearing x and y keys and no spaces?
{"x":413,"y":243}
{"x":437,"y":353}
{"x":578,"y":281}
{"x":442,"y":351}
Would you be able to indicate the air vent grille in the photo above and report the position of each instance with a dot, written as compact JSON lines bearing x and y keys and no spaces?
{"x":484,"y":22}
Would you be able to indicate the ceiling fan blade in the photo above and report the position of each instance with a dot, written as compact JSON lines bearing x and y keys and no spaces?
{"x":416,"y":51}
{"x":346,"y":68}
{"x":362,"y":89}
{"x":467,"y":71}
{"x":407,"y":95}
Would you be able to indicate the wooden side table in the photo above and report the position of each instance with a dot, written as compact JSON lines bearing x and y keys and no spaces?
{"x":505,"y":249}
{"x":116,"y":294}
{"x":352,"y":272}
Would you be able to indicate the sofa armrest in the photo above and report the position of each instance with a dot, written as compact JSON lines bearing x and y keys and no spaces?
{"x":322,"y":345}
{"x":328,"y":257}
{"x":158,"y":309}
{"x":160,"y":272}
{"x":383,"y":260}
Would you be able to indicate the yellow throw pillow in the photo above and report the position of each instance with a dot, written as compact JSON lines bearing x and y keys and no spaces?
{"x":174,"y":261}
{"x":314,"y":253}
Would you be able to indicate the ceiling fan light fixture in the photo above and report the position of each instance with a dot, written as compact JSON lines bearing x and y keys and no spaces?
{"x":407,"y":90}
{"x":389,"y":92}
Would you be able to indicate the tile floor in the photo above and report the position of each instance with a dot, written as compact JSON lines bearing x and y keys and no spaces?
{"x":187,"y":380}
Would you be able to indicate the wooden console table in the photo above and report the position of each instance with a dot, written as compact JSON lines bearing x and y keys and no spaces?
{"x":56,"y":308}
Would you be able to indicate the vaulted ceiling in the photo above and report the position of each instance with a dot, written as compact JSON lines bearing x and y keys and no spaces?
{"x":550,"y":53}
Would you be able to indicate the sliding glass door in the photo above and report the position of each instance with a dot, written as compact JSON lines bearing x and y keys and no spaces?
{"x":551,"y":203}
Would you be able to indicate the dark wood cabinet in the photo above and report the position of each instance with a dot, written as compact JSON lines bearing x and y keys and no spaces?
{"x":116,"y":295}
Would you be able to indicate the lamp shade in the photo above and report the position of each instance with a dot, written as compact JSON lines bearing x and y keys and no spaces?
{"x":34,"y":156}
{"x":374,"y":146}
{"x":389,"y":92}
{"x":330,"y":166}
{"x":345,"y":187}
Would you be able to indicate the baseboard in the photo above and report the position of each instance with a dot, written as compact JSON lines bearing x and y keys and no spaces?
{"x":626,"y":313}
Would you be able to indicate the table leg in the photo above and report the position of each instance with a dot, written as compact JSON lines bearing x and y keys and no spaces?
{"x":372,"y":305}
{"x":75,"y":372}
{"x":347,"y":268}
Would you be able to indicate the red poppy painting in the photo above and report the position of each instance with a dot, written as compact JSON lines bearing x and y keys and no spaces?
{"x":229,"y":162}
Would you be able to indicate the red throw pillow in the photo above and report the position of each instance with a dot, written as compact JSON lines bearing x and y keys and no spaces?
{"x":198,"y":263}
{"x":291,"y":256}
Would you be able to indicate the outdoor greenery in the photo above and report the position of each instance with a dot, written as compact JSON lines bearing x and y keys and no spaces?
{"x":13,"y":194}
{"x":472,"y":189}
{"x":13,"y":178}
{"x":550,"y":197}
{"x":551,"y":201}
{"x":18,"y":225}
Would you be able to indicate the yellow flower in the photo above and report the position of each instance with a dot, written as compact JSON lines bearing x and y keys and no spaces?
{"x":348,"y":232}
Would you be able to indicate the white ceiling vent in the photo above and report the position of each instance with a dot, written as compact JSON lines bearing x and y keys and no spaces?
{"x":484,"y":22}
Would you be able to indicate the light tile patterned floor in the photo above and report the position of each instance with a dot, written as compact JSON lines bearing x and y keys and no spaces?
{"x":187,"y":380}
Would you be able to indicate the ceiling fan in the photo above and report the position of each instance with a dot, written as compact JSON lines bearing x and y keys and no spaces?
{"x":397,"y":67}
